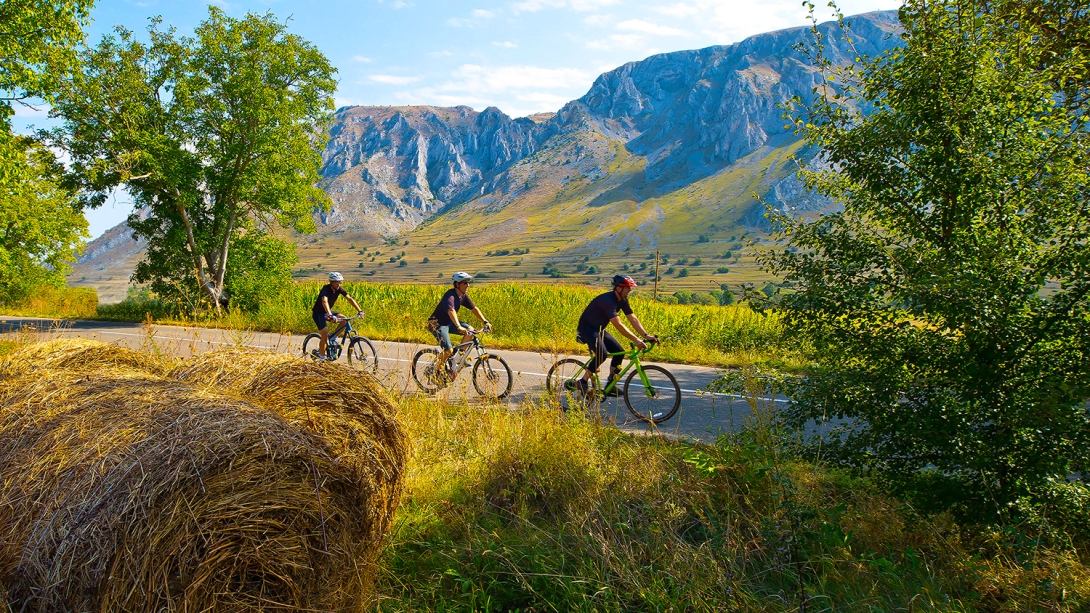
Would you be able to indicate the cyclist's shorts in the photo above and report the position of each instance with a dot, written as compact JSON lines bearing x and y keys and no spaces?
{"x":319,"y":319}
{"x":443,"y":336}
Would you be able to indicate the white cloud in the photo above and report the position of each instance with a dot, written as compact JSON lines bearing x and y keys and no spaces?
{"x":532,"y":6}
{"x":392,"y":79}
{"x":459,"y":22}
{"x":599,"y":20}
{"x":471,"y":77}
{"x":618,"y":41}
{"x":361,"y":59}
{"x":505,"y":44}
{"x":646,"y":27}
{"x":676,"y":10}
{"x":482,"y":13}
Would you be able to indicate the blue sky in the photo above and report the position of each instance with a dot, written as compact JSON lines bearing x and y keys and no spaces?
{"x":523,"y":56}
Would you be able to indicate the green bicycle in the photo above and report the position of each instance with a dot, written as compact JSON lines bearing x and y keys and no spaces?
{"x":650,"y":392}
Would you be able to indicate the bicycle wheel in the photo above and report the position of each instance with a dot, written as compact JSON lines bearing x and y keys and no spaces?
{"x":361,"y":354}
{"x":561,"y":385}
{"x":428,"y":373}
{"x":311,"y":342}
{"x":492,"y":376}
{"x":655,"y":403}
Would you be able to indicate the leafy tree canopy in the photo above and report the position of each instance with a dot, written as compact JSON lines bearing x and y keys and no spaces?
{"x":41,"y":224}
{"x":949,"y":301}
{"x":38,"y":41}
{"x":216,"y":136}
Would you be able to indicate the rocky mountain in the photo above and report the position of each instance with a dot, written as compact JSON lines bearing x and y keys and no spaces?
{"x":689,"y":113}
{"x":658,"y":153}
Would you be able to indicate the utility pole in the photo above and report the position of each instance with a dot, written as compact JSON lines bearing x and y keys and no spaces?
{"x":656,"y":293}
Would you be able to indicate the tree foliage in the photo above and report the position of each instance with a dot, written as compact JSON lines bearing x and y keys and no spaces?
{"x":217,"y":137}
{"x":949,"y":301}
{"x":41,"y":224}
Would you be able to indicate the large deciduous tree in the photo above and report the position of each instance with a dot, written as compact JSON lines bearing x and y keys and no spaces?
{"x":949,"y":301}
{"x":216,"y":136}
{"x":41,"y":224}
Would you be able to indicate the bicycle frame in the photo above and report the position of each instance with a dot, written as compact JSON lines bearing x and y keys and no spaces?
{"x":463,"y":356}
{"x":345,"y":331}
{"x":633,"y":357}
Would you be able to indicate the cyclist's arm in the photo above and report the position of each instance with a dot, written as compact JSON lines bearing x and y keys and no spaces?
{"x":635,"y":321}
{"x":616,"y":321}
{"x":354,"y":303}
{"x":480,"y":316}
{"x":325,"y":305}
{"x":454,"y":319}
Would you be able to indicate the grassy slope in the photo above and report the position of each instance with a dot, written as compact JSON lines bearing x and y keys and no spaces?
{"x":530,"y":511}
{"x":584,"y":197}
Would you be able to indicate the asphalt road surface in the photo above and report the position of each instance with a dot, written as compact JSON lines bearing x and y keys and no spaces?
{"x":702,"y":415}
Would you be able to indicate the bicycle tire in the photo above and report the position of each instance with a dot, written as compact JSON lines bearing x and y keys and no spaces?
{"x":429,"y":375}
{"x":657,"y":404}
{"x":362,"y":354}
{"x":314,"y":338}
{"x":560,"y":381}
{"x":488,"y":379}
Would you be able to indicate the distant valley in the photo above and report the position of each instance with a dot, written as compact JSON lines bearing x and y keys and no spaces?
{"x":670,"y":154}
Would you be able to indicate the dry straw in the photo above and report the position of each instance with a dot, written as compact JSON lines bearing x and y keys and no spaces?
{"x":231,"y":482}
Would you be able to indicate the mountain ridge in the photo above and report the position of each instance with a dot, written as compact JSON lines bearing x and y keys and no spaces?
{"x":658,"y":152}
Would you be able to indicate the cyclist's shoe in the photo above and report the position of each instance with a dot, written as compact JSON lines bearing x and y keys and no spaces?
{"x":615,"y":390}
{"x":317,"y":356}
{"x":581,"y":386}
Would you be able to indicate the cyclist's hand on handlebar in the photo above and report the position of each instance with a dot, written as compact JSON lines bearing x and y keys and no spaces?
{"x":651,"y":339}
{"x":641,"y":344}
{"x":487,"y":326}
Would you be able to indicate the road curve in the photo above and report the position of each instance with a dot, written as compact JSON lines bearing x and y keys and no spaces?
{"x":702,"y":416}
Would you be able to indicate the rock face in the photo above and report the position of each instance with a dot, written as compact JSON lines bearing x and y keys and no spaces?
{"x":388,"y":168}
{"x":690,"y":113}
{"x":694,"y":112}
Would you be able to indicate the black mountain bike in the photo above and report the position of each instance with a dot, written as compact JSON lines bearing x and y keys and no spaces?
{"x":491,"y":375}
{"x":361,"y":353}
{"x":650,"y":392}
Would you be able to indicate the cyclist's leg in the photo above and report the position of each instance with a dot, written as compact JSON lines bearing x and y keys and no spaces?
{"x":444,"y":338}
{"x":598,"y":355}
{"x":342,"y":326}
{"x":323,"y":329}
{"x":612,"y":346}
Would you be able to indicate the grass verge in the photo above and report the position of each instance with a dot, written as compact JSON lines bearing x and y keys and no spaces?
{"x":526,"y":317}
{"x":533,"y":511}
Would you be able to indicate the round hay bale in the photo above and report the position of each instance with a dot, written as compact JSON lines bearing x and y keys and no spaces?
{"x":350,"y":410}
{"x":81,"y":354}
{"x":127,"y":491}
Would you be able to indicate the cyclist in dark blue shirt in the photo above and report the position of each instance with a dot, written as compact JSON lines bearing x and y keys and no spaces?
{"x":602,"y":311}
{"x":323,"y":309}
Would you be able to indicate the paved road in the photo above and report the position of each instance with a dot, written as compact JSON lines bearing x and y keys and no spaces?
{"x":701,"y":416}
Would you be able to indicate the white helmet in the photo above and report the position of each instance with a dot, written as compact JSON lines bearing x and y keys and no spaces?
{"x":336,"y":276}
{"x":461,"y":276}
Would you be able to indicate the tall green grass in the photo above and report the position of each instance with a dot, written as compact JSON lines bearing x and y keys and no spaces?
{"x":525,"y":316}
{"x":540,"y":317}
{"x":56,"y":302}
{"x":533,"y":510}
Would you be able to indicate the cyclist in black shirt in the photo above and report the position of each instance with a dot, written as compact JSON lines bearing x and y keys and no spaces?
{"x":602,"y":311}
{"x":445,"y":315}
{"x":323,"y":308}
